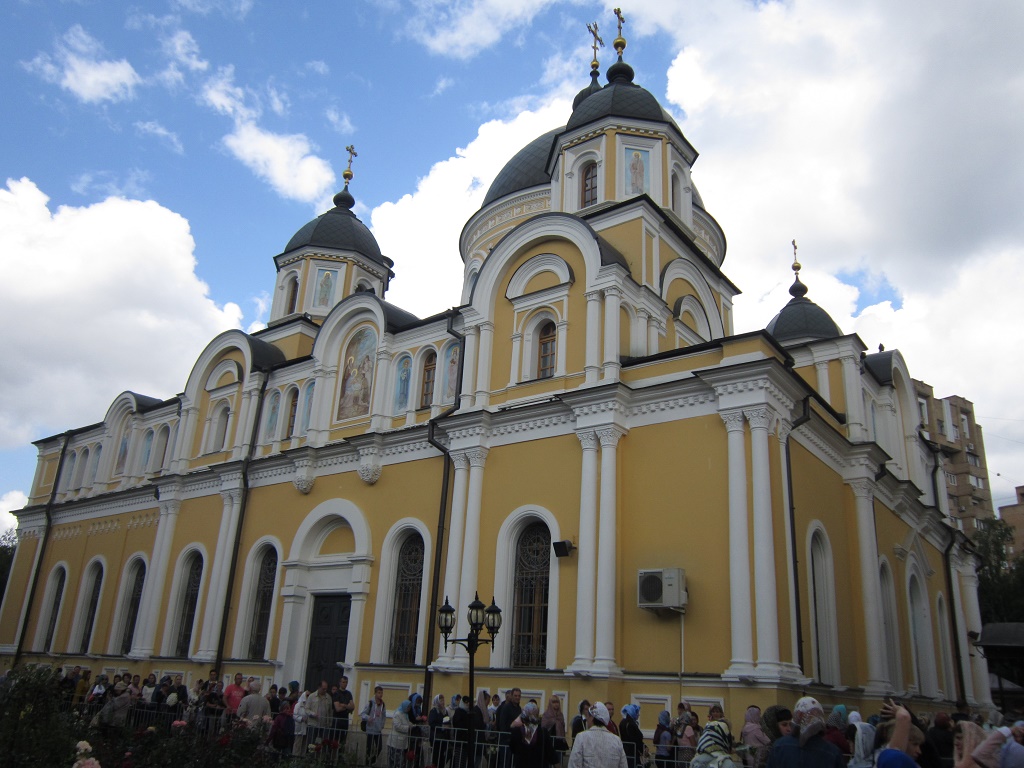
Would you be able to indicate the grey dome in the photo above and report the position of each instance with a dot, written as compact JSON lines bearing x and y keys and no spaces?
{"x":528,"y":168}
{"x":338,"y":229}
{"x":802,"y":320}
{"x":620,"y":98}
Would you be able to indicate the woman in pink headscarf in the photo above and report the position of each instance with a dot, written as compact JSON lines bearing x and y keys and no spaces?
{"x":754,"y":737}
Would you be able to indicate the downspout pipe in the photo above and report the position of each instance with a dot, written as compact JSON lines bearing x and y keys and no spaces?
{"x":948,"y":563}
{"x":48,"y":514}
{"x":801,"y":420}
{"x":241,"y":519}
{"x":442,"y":513}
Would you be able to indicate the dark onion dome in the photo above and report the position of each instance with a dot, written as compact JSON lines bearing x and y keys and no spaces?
{"x":528,"y":168}
{"x":591,"y":89}
{"x":801,"y":319}
{"x":338,"y":229}
{"x":620,"y":98}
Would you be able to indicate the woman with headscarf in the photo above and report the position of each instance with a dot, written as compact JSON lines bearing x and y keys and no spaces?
{"x":597,"y":747}
{"x":437,"y":718}
{"x":530,"y":744}
{"x":776,"y":722}
{"x":806,"y":747}
{"x":398,"y":741}
{"x":967,"y":737}
{"x":863,"y":745}
{"x":835,"y":729}
{"x":553,"y":721}
{"x":579,"y":722}
{"x":631,"y":735}
{"x":714,"y":747}
{"x":755,"y":739}
{"x":663,"y":738}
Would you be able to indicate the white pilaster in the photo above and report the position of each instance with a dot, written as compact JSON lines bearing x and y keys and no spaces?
{"x":871,"y":587}
{"x":742,"y":662}
{"x":586,"y":556}
{"x":854,"y":398}
{"x":471,"y":547}
{"x":592,"y":359}
{"x":320,"y":416}
{"x":209,"y":636}
{"x":607,"y":574}
{"x":789,"y":667}
{"x":456,"y":532}
{"x":517,"y":350}
{"x":153,"y":587}
{"x":964,"y":644}
{"x":469,"y":368}
{"x":644,"y":318}
{"x":612,"y":296}
{"x":821,"y":368}
{"x":979,"y":667}
{"x":483,"y":368}
{"x":766,"y":602}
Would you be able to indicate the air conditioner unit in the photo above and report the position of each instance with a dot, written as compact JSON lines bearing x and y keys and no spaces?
{"x":662,"y":589}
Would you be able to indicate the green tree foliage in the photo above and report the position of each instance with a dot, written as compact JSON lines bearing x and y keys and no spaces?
{"x":33,"y":732}
{"x":8,"y":543}
{"x":1000,"y":580}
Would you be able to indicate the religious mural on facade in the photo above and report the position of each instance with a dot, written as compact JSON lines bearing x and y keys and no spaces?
{"x":357,"y":375}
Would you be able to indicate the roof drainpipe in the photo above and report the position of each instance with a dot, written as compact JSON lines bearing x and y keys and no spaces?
{"x":48,"y":513}
{"x":803,"y":419}
{"x":241,"y":519}
{"x":442,"y":514}
{"x":947,"y":562}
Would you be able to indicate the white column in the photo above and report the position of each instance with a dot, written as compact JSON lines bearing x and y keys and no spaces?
{"x":469,"y":368}
{"x":821,"y":368}
{"x":153,"y":586}
{"x":979,"y":667}
{"x":607,"y":573}
{"x":209,"y":635}
{"x":238,"y":420}
{"x":964,"y":644}
{"x":383,"y":387}
{"x":612,"y":295}
{"x":739,"y":549}
{"x":652,"y":336}
{"x":483,"y":368}
{"x":586,"y":555}
{"x":186,"y":439}
{"x":471,"y":546}
{"x":794,"y":652}
{"x":644,"y":318}
{"x":456,"y":530}
{"x":517,"y":351}
{"x":766,"y":598}
{"x":291,"y":654}
{"x":871,"y":587}
{"x":561,"y":334}
{"x":320,"y":415}
{"x":854,"y":398}
{"x":592,"y":361}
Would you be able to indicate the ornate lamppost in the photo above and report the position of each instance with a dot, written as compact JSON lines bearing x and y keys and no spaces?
{"x":479,"y":619}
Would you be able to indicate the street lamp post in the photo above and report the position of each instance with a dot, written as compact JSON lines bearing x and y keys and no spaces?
{"x":479,"y":619}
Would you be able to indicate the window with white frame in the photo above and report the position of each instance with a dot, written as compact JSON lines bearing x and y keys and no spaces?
{"x":291,"y":409}
{"x":974,"y":460}
{"x":950,"y":478}
{"x":131,"y":600}
{"x":219,"y":427}
{"x":91,"y":590}
{"x":291,"y":292}
{"x":588,"y":185}
{"x":189,"y":600}
{"x":273,"y":413}
{"x":427,"y":380}
{"x":94,"y":471}
{"x":53,"y":601}
{"x":147,"y":452}
{"x":163,"y":435}
{"x":977,"y":482}
{"x":408,"y":588}
{"x":530,"y":600}
{"x":546,"y":350}
{"x":823,"y":610}
{"x":263,"y":600}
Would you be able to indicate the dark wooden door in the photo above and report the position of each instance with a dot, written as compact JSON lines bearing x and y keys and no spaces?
{"x":327,"y":638}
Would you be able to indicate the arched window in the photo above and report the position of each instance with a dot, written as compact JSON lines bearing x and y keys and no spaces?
{"x":307,"y":407}
{"x":68,"y":476}
{"x":270,"y":429}
{"x":588,"y":185}
{"x":823,"y":611}
{"x":189,"y":600}
{"x":291,"y":408}
{"x":408,"y":585}
{"x":93,"y":586}
{"x":122,"y":455}
{"x":220,"y":428}
{"x":890,"y":626}
{"x":677,"y":194}
{"x":291,"y":291}
{"x":427,"y":387}
{"x":266,"y":579}
{"x":921,"y":638}
{"x":80,"y":468}
{"x":546,"y":351}
{"x":95,"y":464}
{"x":945,"y":650}
{"x":56,"y":595}
{"x":147,"y":452}
{"x":160,"y":449}
{"x":530,"y":603}
{"x":132,"y":601}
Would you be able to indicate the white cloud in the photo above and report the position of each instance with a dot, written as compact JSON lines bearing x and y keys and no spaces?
{"x":10,"y":501}
{"x":86,"y":317}
{"x":238,"y":9}
{"x":443,"y":84}
{"x":109,"y":184}
{"x":318,"y":66}
{"x":154,"y":128}
{"x":279,"y":101}
{"x":76,"y":65}
{"x":463,"y":28}
{"x":221,"y":93}
{"x":428,"y":271}
{"x":183,"y":49}
{"x":286,"y":162}
{"x":339,"y":121}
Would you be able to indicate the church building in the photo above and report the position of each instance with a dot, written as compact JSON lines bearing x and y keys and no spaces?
{"x":661,"y":507}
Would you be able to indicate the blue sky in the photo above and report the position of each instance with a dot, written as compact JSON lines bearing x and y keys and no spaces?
{"x":155,"y":158}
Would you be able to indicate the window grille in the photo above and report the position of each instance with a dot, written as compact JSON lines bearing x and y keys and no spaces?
{"x":427,"y":390}
{"x":530,"y":611}
{"x":188,"y":606}
{"x":267,"y":578}
{"x":546,"y":351}
{"x":58,"y":593}
{"x":90,"y":614}
{"x":588,"y":194}
{"x":407,"y":601}
{"x":132,"y":614}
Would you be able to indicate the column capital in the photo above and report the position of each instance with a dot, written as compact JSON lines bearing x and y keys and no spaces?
{"x":170,"y":507}
{"x":759,"y":418}
{"x":643,"y":314}
{"x":610,"y":435}
{"x":592,"y":295}
{"x":862,"y":488}
{"x":820,"y":364}
{"x":588,"y":439}
{"x":477,"y":456}
{"x":733,"y":420}
{"x":612,"y":290}
{"x":460,"y":459}
{"x":784,"y":430}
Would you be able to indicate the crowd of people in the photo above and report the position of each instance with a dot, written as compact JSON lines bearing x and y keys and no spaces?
{"x":496,"y":732}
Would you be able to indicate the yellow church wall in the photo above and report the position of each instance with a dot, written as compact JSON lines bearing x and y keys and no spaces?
{"x":678,"y":289}
{"x":808,"y":374}
{"x":42,"y":490}
{"x":628,"y":239}
{"x":339,"y":541}
{"x":295,"y":345}
{"x":625,"y":332}
{"x":837,"y":389}
{"x":675,"y":365}
{"x":541,"y":281}
{"x":663,"y":511}
{"x":19,"y":583}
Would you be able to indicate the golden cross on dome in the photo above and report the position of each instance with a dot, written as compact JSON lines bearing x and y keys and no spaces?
{"x":621,"y":18}
{"x":347,"y":173}
{"x":592,"y":29}
{"x":796,"y":264}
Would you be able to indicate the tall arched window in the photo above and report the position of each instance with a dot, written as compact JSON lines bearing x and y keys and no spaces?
{"x":427,"y":388}
{"x":95,"y":464}
{"x":292,"y":294}
{"x":94,"y":585}
{"x":890,"y":626}
{"x":68,"y":476}
{"x":546,"y":351}
{"x":307,"y":407}
{"x":291,"y":405}
{"x":588,"y":185}
{"x":189,"y":601}
{"x":266,"y":579}
{"x":945,"y":649}
{"x":220,"y":428}
{"x":530,"y":603}
{"x":147,"y":452}
{"x":823,"y":613}
{"x":55,"y":599}
{"x":921,"y":638}
{"x":132,"y":601}
{"x":677,"y":194}
{"x":408,"y":584}
{"x":160,"y":449}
